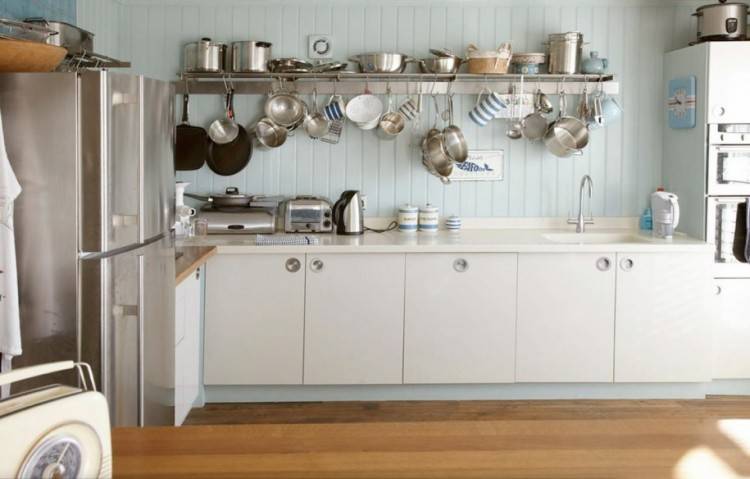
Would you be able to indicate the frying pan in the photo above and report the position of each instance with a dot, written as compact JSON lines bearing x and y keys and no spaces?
{"x":191,"y":143}
{"x":230,"y":158}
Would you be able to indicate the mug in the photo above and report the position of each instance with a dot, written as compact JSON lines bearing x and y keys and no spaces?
{"x":184,"y":211}
{"x":611,"y":110}
{"x":409,"y":109}
{"x":335,"y":109}
{"x":487,"y":108}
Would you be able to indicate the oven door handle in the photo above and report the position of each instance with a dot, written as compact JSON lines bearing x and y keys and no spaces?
{"x":731,"y":148}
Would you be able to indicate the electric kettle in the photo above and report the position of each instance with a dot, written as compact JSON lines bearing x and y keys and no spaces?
{"x":347,"y":214}
{"x":665,"y":210}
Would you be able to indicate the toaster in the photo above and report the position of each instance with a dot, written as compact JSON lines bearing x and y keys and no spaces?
{"x":306,"y":214}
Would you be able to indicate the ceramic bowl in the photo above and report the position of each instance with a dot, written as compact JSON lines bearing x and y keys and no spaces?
{"x":364,"y":110}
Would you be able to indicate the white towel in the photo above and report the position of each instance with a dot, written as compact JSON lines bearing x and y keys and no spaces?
{"x":269,"y":240}
{"x":10,"y":322}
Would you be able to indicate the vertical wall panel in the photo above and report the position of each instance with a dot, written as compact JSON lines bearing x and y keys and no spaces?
{"x":624,"y":159}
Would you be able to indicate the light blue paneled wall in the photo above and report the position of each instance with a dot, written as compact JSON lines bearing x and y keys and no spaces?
{"x":64,"y":10}
{"x":624,"y":159}
{"x":103,"y":18}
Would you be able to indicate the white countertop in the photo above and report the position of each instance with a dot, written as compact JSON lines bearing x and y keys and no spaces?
{"x":466,"y":241}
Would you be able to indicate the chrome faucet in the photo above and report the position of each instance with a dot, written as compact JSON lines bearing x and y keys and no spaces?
{"x":581,"y":221}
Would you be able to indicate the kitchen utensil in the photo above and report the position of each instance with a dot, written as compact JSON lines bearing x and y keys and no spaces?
{"x":489,"y":62}
{"x":334,"y":132}
{"x":584,"y":111}
{"x":434,"y":153}
{"x":665,"y":210}
{"x":230,"y":158}
{"x":285,"y":109}
{"x":381,"y":62}
{"x":567,"y":134}
{"x":17,"y":30}
{"x":722,"y":21}
{"x":543,"y":102}
{"x":594,"y":65}
{"x":191,"y":142}
{"x":269,"y":134}
{"x":597,"y":115}
{"x":453,"y":137}
{"x":515,"y":128}
{"x":527,"y":63}
{"x":75,"y":40}
{"x":440,"y":64}
{"x":250,"y":56}
{"x":408,"y":107}
{"x":306,"y":214}
{"x":486,"y":108}
{"x":443,"y":53}
{"x":392,"y":122}
{"x":611,"y":110}
{"x":289,"y":65}
{"x":348,"y":215}
{"x":316,"y":124}
{"x":225,"y":130}
{"x":365,"y":110}
{"x":564,"y":51}
{"x":534,"y":126}
{"x":28,"y":56}
{"x":429,"y":218}
{"x":205,"y":56}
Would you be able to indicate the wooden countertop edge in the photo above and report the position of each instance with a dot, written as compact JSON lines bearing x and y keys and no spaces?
{"x":193,"y":257}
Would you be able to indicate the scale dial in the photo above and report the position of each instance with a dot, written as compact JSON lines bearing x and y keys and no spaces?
{"x":58,"y":457}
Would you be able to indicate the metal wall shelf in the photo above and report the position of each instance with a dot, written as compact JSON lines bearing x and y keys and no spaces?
{"x":351,"y":83}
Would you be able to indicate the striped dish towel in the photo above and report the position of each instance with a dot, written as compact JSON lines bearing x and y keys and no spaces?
{"x":269,"y":240}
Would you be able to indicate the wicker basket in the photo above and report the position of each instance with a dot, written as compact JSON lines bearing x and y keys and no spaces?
{"x":489,"y":62}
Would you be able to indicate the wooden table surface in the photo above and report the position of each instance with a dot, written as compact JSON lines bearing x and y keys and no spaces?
{"x":666,"y":441}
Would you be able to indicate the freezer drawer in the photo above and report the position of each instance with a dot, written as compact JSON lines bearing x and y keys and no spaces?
{"x":127,"y":331}
{"x":721,"y":216}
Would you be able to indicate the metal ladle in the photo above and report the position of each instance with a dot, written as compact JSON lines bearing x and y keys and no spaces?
{"x":515,"y":128}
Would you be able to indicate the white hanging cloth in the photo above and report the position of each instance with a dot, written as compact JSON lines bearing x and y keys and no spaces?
{"x":10,"y":321}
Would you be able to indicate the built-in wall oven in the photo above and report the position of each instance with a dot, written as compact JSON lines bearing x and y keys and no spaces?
{"x":728,"y":185}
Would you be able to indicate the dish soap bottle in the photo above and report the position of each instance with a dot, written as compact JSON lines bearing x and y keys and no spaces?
{"x":647,"y":221}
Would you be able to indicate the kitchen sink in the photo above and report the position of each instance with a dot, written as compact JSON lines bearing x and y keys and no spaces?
{"x":592,"y":238}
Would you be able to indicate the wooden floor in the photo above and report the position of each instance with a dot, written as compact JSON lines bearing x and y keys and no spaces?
{"x":696,"y":439}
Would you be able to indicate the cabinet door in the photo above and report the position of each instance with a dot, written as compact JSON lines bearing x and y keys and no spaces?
{"x":460,"y":318}
{"x":188,"y":304}
{"x":728,"y":101}
{"x":354,"y":319}
{"x":566,"y":317}
{"x":254,"y":319}
{"x":664,"y":304}
{"x":731,"y":351}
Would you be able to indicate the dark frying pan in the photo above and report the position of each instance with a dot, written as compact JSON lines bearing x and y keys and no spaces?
{"x":191,"y":143}
{"x":230,"y":158}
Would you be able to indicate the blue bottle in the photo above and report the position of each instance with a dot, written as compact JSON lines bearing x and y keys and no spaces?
{"x":647,"y":221}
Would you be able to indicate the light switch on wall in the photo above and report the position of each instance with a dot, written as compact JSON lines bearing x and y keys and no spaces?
{"x":319,"y":46}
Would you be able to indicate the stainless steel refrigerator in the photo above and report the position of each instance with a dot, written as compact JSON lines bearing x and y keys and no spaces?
{"x":93,"y":152}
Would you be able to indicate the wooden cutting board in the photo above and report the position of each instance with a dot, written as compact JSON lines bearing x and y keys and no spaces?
{"x":26,"y":56}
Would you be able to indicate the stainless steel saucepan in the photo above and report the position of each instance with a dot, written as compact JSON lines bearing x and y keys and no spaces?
{"x":567,"y":135}
{"x":381,"y":62}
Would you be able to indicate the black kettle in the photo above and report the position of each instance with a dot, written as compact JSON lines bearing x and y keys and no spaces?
{"x":348,"y":214}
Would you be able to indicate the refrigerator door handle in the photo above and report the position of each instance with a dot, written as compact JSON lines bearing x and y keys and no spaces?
{"x":141,"y":352}
{"x":125,"y":310}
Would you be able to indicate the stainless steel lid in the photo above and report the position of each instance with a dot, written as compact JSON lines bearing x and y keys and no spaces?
{"x":205,"y":41}
{"x":568,"y":36}
{"x":720,"y":5}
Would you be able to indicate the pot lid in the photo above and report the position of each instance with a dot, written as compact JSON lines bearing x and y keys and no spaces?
{"x":714,"y":5}
{"x":443,"y":53}
{"x":566,"y":36}
{"x":231,"y":193}
{"x":209,"y":42}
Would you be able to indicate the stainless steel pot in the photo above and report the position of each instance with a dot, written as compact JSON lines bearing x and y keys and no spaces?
{"x":75,"y":40}
{"x":205,"y":56}
{"x":564,"y":53}
{"x":381,"y":62}
{"x":250,"y":56}
{"x":440,"y":65}
{"x":722,"y":21}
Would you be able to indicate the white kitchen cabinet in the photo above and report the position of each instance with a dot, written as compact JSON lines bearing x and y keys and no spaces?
{"x":460,"y":318}
{"x":188,"y":306}
{"x":728,"y":101}
{"x":663,"y":325}
{"x":566,"y":320}
{"x":354,"y":319}
{"x":254,"y":322}
{"x":731,"y":340}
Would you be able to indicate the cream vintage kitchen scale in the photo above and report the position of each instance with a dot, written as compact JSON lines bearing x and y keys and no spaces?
{"x":57,"y":431}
